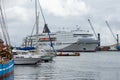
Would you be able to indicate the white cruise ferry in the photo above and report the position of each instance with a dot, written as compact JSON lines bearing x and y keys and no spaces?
{"x":63,"y":41}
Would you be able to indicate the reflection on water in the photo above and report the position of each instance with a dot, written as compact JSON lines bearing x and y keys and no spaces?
{"x":11,"y":77}
{"x":87,"y":66}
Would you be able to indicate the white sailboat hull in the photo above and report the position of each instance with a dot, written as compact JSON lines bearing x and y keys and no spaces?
{"x":26,"y":60}
{"x":26,"y":57}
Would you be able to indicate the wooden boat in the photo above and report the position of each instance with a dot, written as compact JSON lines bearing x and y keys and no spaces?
{"x":6,"y":69}
{"x":6,"y":56}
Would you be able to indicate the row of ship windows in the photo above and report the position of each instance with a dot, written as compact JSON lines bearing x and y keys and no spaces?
{"x":53,"y":43}
{"x":58,"y":43}
{"x":63,"y":43}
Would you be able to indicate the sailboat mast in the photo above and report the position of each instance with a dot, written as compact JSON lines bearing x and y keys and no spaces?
{"x":48,"y":31}
{"x":37,"y":23}
{"x":37,"y":17}
{"x":3,"y":25}
{"x":42,"y":12}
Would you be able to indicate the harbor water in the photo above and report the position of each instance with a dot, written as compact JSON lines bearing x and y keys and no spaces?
{"x":87,"y":66}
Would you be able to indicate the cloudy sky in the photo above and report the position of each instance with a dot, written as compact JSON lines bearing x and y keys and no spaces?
{"x":63,"y":14}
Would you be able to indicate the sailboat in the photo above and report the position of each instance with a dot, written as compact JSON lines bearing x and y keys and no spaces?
{"x":29,"y":55}
{"x":6,"y":56}
{"x":26,"y":57}
{"x":52,"y":53}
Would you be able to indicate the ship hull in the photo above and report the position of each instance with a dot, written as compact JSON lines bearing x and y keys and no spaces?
{"x":79,"y":46}
{"x":6,"y":69}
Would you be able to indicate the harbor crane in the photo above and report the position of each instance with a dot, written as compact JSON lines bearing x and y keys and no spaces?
{"x":116,"y":39}
{"x":92,"y":28}
{"x":95,"y":33}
